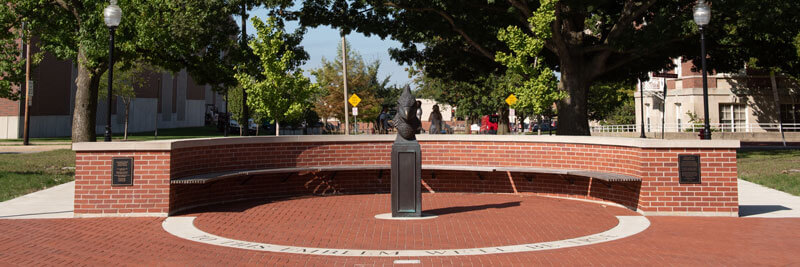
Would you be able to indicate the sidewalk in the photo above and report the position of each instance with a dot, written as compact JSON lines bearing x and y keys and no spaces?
{"x":758,"y":201}
{"x":54,"y":202}
{"x":17,"y":149}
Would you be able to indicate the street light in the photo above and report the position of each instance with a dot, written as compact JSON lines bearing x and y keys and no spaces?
{"x":112,"y":15}
{"x":702,"y":15}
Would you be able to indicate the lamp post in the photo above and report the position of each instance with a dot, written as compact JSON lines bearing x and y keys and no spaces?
{"x":702,"y":15}
{"x":112,"y":15}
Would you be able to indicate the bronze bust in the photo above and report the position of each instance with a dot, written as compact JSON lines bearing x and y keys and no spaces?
{"x":406,"y":121}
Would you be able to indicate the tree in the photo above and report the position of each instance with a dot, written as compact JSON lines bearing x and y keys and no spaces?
{"x":235,"y":108}
{"x":484,"y":95}
{"x":280,"y":92}
{"x":362,"y":79}
{"x":169,"y":34}
{"x":589,"y":41}
{"x":125,"y":83}
{"x":12,"y":64}
{"x":539,"y":85}
{"x":606,"y":99}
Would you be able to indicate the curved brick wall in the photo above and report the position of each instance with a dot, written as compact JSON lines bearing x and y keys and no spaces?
{"x":652,"y":160}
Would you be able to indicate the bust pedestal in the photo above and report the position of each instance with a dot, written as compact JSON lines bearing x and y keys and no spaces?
{"x":406,"y":179}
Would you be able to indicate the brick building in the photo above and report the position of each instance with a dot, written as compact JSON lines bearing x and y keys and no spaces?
{"x":737,"y":102}
{"x":180,"y":102}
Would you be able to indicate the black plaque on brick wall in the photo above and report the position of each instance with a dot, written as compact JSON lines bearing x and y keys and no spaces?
{"x":689,"y":169}
{"x":121,"y":171}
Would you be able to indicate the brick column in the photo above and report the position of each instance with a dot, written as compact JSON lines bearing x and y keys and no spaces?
{"x":96,"y":197}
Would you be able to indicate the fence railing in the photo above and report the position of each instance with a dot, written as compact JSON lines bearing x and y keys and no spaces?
{"x":691,"y":127}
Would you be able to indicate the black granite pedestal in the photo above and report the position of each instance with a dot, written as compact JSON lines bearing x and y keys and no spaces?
{"x":406,"y":179}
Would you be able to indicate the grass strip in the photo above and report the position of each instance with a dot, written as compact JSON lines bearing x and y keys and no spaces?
{"x":21,"y":174}
{"x":776,"y":169}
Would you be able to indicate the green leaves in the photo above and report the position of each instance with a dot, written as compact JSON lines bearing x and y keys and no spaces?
{"x":539,"y":86}
{"x":362,"y":79}
{"x":280,"y":91}
{"x":12,"y":75}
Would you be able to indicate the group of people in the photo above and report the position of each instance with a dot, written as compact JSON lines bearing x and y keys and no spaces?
{"x":435,"y":118}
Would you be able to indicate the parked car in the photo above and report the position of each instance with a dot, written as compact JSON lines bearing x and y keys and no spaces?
{"x":546,"y":126}
{"x":234,"y":126}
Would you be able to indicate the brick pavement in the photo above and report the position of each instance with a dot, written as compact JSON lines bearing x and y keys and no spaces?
{"x":142,"y":241}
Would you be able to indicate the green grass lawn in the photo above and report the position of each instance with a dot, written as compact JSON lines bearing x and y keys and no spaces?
{"x":163,"y":134}
{"x":21,"y":174}
{"x":778,"y":169}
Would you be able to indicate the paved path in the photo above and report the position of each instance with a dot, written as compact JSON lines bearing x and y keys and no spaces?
{"x":758,"y":201}
{"x":319,"y":222}
{"x":31,"y":149}
{"x":54,"y":202}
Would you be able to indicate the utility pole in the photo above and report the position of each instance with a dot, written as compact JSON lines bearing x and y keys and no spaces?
{"x":641,"y":104}
{"x":158,"y":98}
{"x":28,"y":102}
{"x":245,"y":123}
{"x":777,"y":104}
{"x":344,"y":78}
{"x":664,"y":109}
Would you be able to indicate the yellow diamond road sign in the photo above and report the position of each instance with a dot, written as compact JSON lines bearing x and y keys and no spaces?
{"x":354,"y":100}
{"x":511,"y":100}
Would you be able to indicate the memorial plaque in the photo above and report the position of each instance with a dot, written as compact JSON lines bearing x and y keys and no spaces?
{"x":121,"y":171}
{"x":689,"y":169}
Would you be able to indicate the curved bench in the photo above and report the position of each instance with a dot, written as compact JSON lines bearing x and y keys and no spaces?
{"x":212,"y":177}
{"x":638,"y":173}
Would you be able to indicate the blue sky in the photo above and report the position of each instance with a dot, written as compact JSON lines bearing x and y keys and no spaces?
{"x":323,"y":42}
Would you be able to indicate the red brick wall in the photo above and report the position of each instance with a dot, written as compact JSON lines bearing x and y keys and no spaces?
{"x":9,"y":108}
{"x":95,"y":195}
{"x":659,"y":191}
{"x":280,"y":186}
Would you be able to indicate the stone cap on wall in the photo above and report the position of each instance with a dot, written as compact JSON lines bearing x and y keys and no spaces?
{"x":166,"y":145}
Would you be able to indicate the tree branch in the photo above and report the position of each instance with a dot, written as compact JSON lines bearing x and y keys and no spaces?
{"x":558,"y":44}
{"x":633,"y":55}
{"x":626,"y":18}
{"x":71,"y":8}
{"x":523,"y":7}
{"x":450,"y":20}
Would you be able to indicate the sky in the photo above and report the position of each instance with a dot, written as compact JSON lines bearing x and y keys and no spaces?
{"x":323,"y":42}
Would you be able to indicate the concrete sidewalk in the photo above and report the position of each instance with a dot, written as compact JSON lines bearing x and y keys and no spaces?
{"x":54,"y":202}
{"x":19,"y":149}
{"x":758,"y":201}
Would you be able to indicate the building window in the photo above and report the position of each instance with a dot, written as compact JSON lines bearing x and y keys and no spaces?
{"x":790,"y":114}
{"x":733,"y":117}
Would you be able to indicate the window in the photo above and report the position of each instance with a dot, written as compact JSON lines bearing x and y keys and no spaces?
{"x":733,"y":117}
{"x":790,"y":117}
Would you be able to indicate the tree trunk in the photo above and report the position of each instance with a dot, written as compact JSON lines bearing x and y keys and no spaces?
{"x":503,"y":122}
{"x":277,"y":128}
{"x":84,"y":118}
{"x":127,"y":112}
{"x":572,"y":110}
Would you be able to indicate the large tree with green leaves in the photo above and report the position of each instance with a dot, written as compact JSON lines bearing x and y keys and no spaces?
{"x":170,"y":34}
{"x":280,"y":91}
{"x":588,"y":42}
{"x":362,"y":80}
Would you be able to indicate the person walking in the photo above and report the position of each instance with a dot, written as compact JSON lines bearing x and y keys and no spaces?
{"x":436,"y":120}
